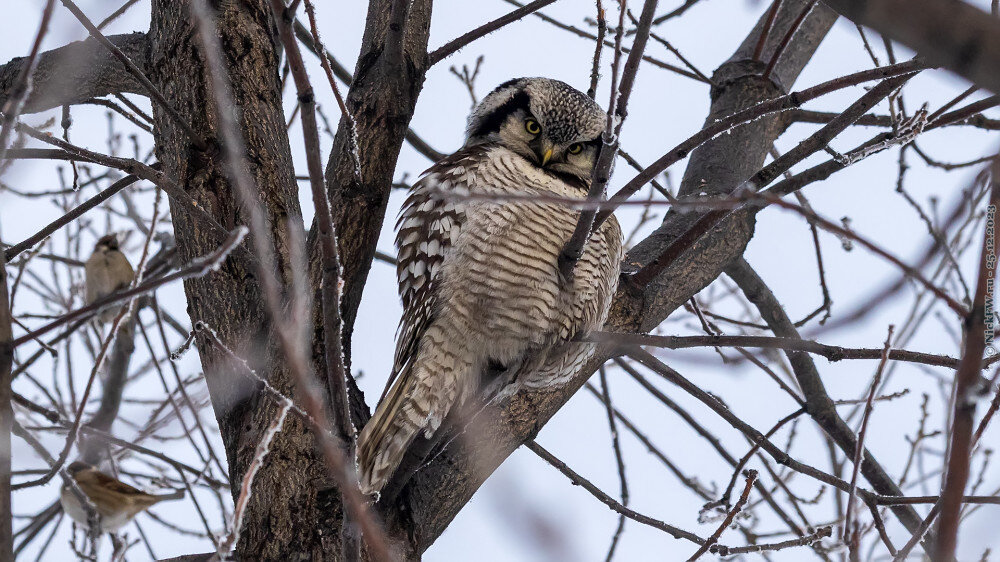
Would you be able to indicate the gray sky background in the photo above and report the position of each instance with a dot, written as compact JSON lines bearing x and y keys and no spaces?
{"x":526,"y":501}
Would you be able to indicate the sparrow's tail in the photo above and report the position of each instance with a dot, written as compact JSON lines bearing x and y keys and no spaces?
{"x":175,"y":495}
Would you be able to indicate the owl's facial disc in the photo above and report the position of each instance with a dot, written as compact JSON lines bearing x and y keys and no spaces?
{"x":549,"y":123}
{"x":530,"y":137}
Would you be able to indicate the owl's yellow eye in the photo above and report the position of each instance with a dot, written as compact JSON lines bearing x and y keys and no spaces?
{"x":575,"y":148}
{"x":532,"y":126}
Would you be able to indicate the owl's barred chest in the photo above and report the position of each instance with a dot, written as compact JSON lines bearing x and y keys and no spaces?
{"x":498,"y":263}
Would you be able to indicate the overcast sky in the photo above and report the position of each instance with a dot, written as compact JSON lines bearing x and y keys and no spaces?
{"x":526,"y":500}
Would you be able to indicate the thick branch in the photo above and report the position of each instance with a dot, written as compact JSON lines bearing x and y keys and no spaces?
{"x":79,"y":71}
{"x":954,"y":35}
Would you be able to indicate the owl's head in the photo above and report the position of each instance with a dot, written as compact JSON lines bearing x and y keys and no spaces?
{"x":548,"y":122}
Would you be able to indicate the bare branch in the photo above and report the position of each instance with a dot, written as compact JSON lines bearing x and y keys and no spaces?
{"x":966,"y":382}
{"x":456,"y":44}
{"x":608,"y":500}
{"x":958,"y":37}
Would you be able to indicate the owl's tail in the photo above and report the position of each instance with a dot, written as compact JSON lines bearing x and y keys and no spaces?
{"x":418,"y":402}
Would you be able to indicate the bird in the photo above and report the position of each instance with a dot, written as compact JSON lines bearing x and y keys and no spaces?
{"x":486,"y":310}
{"x":107,"y":270}
{"x":117,"y":503}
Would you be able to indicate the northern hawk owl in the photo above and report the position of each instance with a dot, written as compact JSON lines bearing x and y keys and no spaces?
{"x":485,"y":307}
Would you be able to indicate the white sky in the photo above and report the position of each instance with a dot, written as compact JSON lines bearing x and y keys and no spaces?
{"x":665,"y":109}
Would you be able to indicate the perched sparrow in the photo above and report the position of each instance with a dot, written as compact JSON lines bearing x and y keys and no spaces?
{"x":108,"y":270}
{"x":117,"y":502}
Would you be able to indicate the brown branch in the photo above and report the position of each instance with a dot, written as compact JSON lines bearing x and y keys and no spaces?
{"x":809,"y":539}
{"x":607,"y":500}
{"x":456,"y":44}
{"x":766,"y":30}
{"x":6,"y":415}
{"x":744,"y":498}
{"x":595,"y":65}
{"x":966,"y":381}
{"x":330,"y":281}
{"x":787,"y":38}
{"x":956,"y":36}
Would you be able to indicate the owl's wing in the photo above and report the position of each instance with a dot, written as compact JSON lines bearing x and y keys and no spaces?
{"x":429,"y":225}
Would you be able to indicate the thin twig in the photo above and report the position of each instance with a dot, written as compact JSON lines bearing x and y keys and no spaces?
{"x":859,"y":449}
{"x":744,"y":497}
{"x":608,"y":500}
{"x":456,"y":44}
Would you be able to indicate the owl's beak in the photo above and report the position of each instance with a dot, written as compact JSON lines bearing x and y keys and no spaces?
{"x":544,"y":149}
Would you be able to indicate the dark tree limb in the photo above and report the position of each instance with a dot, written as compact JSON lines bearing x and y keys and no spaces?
{"x":967,"y":379}
{"x":77,"y":72}
{"x":6,"y":415}
{"x":953,"y":35}
{"x":381,"y":98}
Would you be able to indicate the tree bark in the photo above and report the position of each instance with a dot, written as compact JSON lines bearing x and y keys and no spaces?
{"x":79,"y":71}
{"x":292,"y":493}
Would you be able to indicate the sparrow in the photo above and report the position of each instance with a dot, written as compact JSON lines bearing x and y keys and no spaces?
{"x":117,"y":502}
{"x":107,"y":271}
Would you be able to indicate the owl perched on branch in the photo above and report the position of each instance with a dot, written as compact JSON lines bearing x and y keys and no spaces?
{"x":485,"y":307}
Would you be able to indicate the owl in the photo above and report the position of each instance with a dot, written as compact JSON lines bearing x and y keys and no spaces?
{"x":485,"y":308}
{"x":107,"y":270}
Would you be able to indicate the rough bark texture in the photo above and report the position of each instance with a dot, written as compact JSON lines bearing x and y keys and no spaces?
{"x":382,"y":97}
{"x":281,"y":521}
